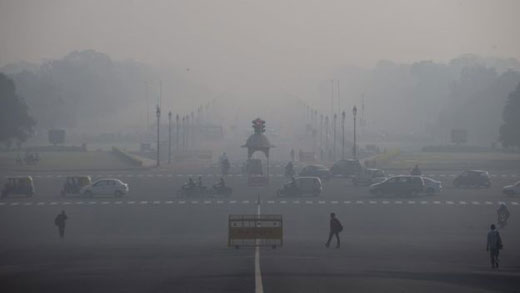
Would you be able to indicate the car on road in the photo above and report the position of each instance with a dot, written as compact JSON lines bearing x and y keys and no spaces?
{"x":512,"y":189}
{"x":368,"y":177}
{"x":431,"y":186}
{"x":107,"y":186}
{"x":301,"y":186}
{"x":346,"y":168}
{"x":399,"y":185}
{"x":473,"y":178}
{"x":315,"y":171}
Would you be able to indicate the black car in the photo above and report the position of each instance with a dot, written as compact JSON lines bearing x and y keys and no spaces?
{"x":399,"y":185}
{"x":347,"y":168}
{"x":473,"y":178}
{"x":316,"y":171}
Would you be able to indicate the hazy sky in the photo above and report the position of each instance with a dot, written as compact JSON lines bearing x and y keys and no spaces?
{"x":268,"y":40}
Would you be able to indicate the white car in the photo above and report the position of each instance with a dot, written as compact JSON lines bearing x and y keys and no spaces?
{"x":432,"y":186}
{"x":512,"y":189}
{"x":113,"y":187}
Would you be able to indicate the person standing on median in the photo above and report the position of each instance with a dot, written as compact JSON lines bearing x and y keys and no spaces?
{"x":59,"y":221}
{"x":494,"y":244}
{"x":335,"y":229}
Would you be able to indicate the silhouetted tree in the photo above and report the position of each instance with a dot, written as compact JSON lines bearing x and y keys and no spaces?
{"x":15,"y":122}
{"x":510,"y":130}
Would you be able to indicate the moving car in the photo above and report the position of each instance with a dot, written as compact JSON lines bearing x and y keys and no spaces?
{"x":512,"y":189}
{"x":73,"y":184}
{"x":301,"y":186}
{"x":399,"y":185}
{"x":18,"y":185}
{"x":315,"y":171}
{"x":431,"y":186}
{"x":473,"y":178}
{"x":113,"y":187}
{"x":368,"y":177}
{"x":346,"y":168}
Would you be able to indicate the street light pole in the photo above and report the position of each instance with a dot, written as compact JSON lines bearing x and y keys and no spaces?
{"x":343,"y":135}
{"x":354,"y":148}
{"x":158,"y":112}
{"x":177,"y":133}
{"x":327,"y":148}
{"x":334,"y":140}
{"x":170,"y":137}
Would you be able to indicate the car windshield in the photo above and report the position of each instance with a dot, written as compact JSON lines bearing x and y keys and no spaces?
{"x":259,"y":146}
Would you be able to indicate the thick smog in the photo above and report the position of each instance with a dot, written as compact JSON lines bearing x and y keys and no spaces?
{"x":259,"y":146}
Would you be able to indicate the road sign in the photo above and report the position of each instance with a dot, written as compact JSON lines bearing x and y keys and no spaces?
{"x":255,"y":230}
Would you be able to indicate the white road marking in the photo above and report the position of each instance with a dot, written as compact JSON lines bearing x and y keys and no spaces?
{"x":334,"y":202}
{"x":270,"y":201}
{"x":475,"y":202}
{"x":359,"y":202}
{"x":283,"y":201}
{"x":220,"y":201}
{"x":462,"y":202}
{"x":130,"y":202}
{"x":156,"y":202}
{"x":168,"y":202}
{"x":259,"y":288}
{"x":321,"y":202}
{"x":28,"y":203}
{"x":296,"y":201}
{"x":398,"y":202}
{"x":194,"y":202}
{"x":91,"y":202}
{"x":15,"y":203}
{"x":53,"y":203}
{"x":424,"y":202}
{"x":105,"y":202}
{"x":207,"y":201}
{"x":436,"y":202}
{"x":411,"y":202}
{"x":245,"y":201}
{"x":118,"y":202}
{"x":488,"y":202}
{"x":309,"y":202}
{"x":143,"y":202}
{"x":41,"y":203}
{"x":182,"y":201}
{"x":449,"y":202}
{"x":514,"y":203}
{"x":232,"y":201}
{"x":385,"y":202}
{"x":65,"y":203}
{"x":346,"y":202}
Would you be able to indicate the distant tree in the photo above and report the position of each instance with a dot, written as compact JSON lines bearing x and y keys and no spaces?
{"x":510,"y":130}
{"x":15,"y":122}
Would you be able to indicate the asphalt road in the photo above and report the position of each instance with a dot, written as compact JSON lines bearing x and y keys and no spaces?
{"x":152,"y":241}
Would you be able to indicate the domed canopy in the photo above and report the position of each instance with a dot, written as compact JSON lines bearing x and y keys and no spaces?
{"x":257,"y":142}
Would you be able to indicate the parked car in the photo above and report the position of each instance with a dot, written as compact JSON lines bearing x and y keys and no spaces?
{"x":431,"y":186}
{"x":512,"y":189}
{"x":301,"y":186}
{"x":18,"y":185}
{"x":315,"y":171}
{"x":347,"y":168}
{"x":368,"y":177}
{"x":473,"y":178}
{"x":105,"y":187}
{"x":399,"y":185}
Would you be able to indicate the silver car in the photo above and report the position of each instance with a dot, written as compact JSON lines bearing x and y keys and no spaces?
{"x":113,"y":187}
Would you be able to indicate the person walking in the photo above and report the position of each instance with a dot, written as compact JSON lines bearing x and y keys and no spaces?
{"x":59,"y":221}
{"x":494,"y":244}
{"x":335,"y":229}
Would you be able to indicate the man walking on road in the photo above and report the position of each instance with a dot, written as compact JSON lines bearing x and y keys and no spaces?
{"x":60,"y":222}
{"x":335,"y":228}
{"x":494,"y":244}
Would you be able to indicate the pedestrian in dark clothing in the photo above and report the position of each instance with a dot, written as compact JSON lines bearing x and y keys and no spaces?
{"x":60,"y":222}
{"x":494,"y":244}
{"x":335,"y":228}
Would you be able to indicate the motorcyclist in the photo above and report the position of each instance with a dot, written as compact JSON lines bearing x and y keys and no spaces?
{"x":289,"y":170}
{"x":502,"y":213}
{"x":190,"y":184}
{"x":221,"y":184}
{"x":416,"y":171}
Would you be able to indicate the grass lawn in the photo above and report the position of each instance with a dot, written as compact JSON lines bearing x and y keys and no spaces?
{"x":446,"y":160}
{"x":66,"y":161}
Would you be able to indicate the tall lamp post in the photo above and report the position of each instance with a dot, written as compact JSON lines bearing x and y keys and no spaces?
{"x":170,"y":137}
{"x":158,"y":112}
{"x":334,"y":139}
{"x":343,"y":135}
{"x":354,"y":148}
{"x":177,"y":133}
